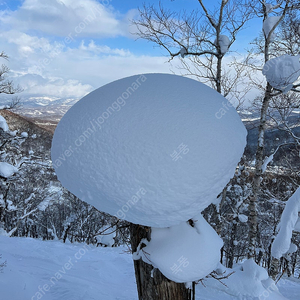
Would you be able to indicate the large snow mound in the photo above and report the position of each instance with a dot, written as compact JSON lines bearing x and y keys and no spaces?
{"x":154,"y":149}
{"x":183,"y":253}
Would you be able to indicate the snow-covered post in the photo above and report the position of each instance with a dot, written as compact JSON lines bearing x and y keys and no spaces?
{"x":151,"y":282}
{"x":155,"y":150}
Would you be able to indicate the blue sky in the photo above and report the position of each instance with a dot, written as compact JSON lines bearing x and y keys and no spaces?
{"x":49,"y":65}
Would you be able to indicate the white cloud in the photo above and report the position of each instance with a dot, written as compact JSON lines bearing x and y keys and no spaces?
{"x":80,"y":18}
{"x":53,"y":87}
{"x":56,"y":50}
{"x":49,"y":66}
{"x":51,"y":69}
{"x":102,"y":49}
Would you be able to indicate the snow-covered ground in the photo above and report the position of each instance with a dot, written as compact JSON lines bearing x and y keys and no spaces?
{"x":53,"y":270}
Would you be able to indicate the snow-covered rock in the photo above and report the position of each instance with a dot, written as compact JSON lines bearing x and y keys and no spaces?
{"x":7,"y":170}
{"x":269,"y":24}
{"x":281,"y":72}
{"x":3,"y":124}
{"x":288,"y":221}
{"x":157,"y":148}
{"x":183,"y":253}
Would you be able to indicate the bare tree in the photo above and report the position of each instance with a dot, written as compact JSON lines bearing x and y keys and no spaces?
{"x":7,"y":86}
{"x":266,"y":47}
{"x":204,"y":36}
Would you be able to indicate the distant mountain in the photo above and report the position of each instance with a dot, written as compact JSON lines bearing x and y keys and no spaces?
{"x":48,"y":117}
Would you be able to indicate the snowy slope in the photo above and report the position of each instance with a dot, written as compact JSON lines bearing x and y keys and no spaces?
{"x":92,"y":273}
{"x":86,"y":273}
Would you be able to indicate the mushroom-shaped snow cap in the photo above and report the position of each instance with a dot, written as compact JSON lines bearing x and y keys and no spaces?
{"x":153,"y":149}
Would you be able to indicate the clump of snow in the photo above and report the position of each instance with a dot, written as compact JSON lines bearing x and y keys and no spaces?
{"x":249,"y":275}
{"x":251,"y":280}
{"x":224,"y":43}
{"x":11,"y":206}
{"x":289,"y":218}
{"x":281,"y":72}
{"x":3,"y":124}
{"x":183,"y":52}
{"x":269,"y":24}
{"x":293,"y":249}
{"x":183,"y":253}
{"x":297,"y":226}
{"x":55,"y":193}
{"x":243,"y":218}
{"x":13,"y":133}
{"x":24,"y":134}
{"x":119,"y":139}
{"x":266,"y":162}
{"x":107,"y":235}
{"x":269,"y":7}
{"x":7,"y":170}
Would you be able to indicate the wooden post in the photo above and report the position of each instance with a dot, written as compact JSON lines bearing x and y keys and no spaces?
{"x":153,"y":285}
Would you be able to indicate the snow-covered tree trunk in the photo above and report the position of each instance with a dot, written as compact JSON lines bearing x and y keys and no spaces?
{"x":152,"y":284}
{"x":252,"y":220}
{"x":258,"y":173}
